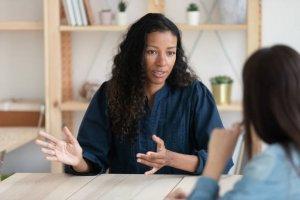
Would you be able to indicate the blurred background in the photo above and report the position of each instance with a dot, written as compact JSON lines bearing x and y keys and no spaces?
{"x":24,"y":85}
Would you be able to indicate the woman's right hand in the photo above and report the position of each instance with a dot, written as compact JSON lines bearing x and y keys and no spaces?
{"x":68,"y":152}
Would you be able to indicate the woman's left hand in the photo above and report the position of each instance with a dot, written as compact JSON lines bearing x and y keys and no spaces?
{"x":178,"y":194}
{"x":156,"y":160}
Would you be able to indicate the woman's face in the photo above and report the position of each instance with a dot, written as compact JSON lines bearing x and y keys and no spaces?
{"x":160,"y":56}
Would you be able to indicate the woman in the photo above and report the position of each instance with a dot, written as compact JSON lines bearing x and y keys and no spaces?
{"x":151,"y":116}
{"x":272,"y":110}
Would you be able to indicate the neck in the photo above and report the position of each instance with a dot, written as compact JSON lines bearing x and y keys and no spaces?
{"x":151,"y":89}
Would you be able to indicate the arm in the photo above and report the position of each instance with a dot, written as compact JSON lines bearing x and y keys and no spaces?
{"x":94,"y":137}
{"x":205,"y":117}
{"x":255,"y":184}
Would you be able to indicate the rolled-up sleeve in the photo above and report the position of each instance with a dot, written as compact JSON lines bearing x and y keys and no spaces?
{"x":93,"y":135}
{"x":205,"y":118}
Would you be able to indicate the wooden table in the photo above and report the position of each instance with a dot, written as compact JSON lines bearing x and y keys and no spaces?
{"x":106,"y":186}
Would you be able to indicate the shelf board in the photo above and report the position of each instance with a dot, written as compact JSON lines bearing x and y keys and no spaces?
{"x":20,"y":26}
{"x":228,"y":27}
{"x":20,"y":105}
{"x":13,"y":137}
{"x":82,"y":106}
{"x":212,"y":27}
{"x":64,"y":28}
{"x":74,"y":106}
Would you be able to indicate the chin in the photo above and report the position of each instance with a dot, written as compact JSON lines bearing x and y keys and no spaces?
{"x":158,"y":82}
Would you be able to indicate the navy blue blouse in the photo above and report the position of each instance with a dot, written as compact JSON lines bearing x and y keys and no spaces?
{"x":183,"y":118}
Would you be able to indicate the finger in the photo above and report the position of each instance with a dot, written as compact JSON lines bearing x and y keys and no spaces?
{"x":51,"y":158}
{"x":69,"y":135}
{"x":154,"y":155}
{"x":160,"y":143}
{"x":48,"y":136}
{"x":148,"y":163}
{"x":45,"y":144}
{"x":152,"y":171}
{"x":50,"y":152}
{"x":151,"y":159}
{"x":143,"y":156}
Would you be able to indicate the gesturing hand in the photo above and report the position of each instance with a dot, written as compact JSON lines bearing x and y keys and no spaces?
{"x":68,"y":152}
{"x":156,"y":160}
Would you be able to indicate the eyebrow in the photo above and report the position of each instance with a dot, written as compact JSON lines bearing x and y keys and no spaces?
{"x":158,"y":48}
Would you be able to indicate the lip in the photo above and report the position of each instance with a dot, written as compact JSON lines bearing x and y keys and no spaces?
{"x":159,"y":73}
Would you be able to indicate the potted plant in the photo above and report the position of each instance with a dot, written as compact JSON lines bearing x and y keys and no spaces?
{"x":221,"y":89}
{"x":193,"y":14}
{"x":106,"y":16}
{"x":122,"y":14}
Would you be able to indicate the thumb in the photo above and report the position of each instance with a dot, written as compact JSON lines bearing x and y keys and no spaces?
{"x":69,"y":135}
{"x":160,"y":143}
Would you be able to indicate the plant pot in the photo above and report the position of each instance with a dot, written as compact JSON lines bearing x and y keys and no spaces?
{"x":122,"y":18}
{"x":106,"y":17}
{"x":193,"y":17}
{"x":232,"y":11}
{"x":222,"y":93}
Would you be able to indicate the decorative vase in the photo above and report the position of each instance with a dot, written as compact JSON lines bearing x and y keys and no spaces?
{"x":232,"y":11}
{"x":193,"y":17}
{"x":122,"y":18}
{"x":106,"y":17}
{"x":222,"y":93}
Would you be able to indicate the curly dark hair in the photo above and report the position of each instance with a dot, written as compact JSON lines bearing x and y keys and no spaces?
{"x":125,"y":92}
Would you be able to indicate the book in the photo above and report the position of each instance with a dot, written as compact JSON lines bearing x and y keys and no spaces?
{"x":77,"y":12}
{"x":89,"y":12}
{"x":82,"y":13}
{"x":69,"y":12}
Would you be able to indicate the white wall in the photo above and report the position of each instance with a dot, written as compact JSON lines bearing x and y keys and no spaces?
{"x":21,"y":54}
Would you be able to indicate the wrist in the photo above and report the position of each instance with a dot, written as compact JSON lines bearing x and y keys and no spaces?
{"x":213,"y":170}
{"x":81,"y":165}
{"x":170,"y":158}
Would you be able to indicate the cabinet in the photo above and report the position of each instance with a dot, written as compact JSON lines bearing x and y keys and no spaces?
{"x":58,"y":59}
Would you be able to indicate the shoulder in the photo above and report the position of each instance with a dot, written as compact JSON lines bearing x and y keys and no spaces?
{"x":102,"y":90}
{"x":196,"y":88}
{"x":267,"y":164}
{"x":200,"y":93}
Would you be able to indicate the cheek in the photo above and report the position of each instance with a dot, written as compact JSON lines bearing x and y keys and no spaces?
{"x":171,"y":63}
{"x":150,"y":62}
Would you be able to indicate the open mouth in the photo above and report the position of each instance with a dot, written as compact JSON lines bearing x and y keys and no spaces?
{"x":158,"y":73}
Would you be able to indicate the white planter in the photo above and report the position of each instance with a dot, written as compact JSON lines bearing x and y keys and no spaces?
{"x":193,"y":17}
{"x":232,"y":11}
{"x":122,"y":18}
{"x":106,"y":17}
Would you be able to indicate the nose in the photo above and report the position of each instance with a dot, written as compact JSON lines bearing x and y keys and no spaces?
{"x":161,"y":60}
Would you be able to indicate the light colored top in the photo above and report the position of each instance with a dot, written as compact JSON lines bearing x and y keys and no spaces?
{"x":269,"y":175}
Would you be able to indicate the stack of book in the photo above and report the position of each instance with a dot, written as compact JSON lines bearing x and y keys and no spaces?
{"x":78,"y":12}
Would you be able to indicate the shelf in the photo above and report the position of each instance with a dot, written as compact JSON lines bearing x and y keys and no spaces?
{"x":13,"y":137}
{"x":93,"y":28}
{"x":20,"y":26}
{"x":227,"y":27}
{"x":82,"y":106}
{"x":21,"y":105}
{"x":212,"y":27}
{"x":74,"y":106}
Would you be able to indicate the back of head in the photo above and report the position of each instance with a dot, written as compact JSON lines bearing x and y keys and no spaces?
{"x":271,"y":99}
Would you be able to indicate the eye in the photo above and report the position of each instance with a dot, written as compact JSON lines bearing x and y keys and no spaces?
{"x":171,"y":53}
{"x":151,"y":52}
